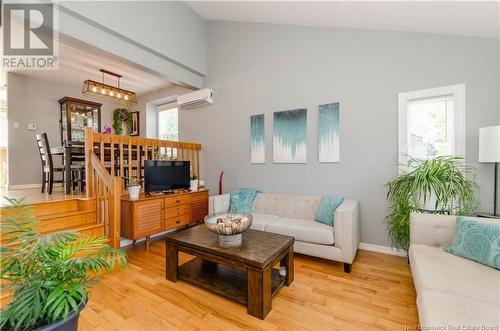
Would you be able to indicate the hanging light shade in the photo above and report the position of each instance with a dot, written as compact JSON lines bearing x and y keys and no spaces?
{"x":103,"y":90}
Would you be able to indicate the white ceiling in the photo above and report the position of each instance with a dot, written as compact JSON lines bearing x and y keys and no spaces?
{"x":471,"y":18}
{"x":77,"y":65}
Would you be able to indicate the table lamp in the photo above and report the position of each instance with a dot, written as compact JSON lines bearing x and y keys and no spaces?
{"x":489,"y":152}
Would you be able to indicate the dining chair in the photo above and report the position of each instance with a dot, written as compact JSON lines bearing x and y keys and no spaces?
{"x":48,"y":168}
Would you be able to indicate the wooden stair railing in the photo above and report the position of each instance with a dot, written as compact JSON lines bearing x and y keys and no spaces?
{"x":107,"y":190}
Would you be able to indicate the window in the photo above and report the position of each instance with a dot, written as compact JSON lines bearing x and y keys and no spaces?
{"x":168,"y":128}
{"x":168,"y":122}
{"x":432,"y":123}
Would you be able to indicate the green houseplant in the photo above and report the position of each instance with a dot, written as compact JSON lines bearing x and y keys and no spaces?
{"x":48,"y":275}
{"x":122,"y":117}
{"x":445,"y":182}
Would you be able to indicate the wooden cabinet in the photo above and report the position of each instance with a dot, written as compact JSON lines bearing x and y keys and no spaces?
{"x":199,"y":206}
{"x":76,"y":115}
{"x":147,"y":216}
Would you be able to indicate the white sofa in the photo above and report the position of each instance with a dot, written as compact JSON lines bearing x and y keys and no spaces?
{"x":450,"y":290}
{"x":293,"y":215}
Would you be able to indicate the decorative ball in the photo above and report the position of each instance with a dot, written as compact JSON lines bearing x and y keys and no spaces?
{"x":228,"y":224}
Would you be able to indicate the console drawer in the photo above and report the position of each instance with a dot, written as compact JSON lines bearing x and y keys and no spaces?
{"x":171,"y":212}
{"x":174,"y":222}
{"x":177,"y":201}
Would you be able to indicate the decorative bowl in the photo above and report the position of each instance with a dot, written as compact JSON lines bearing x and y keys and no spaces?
{"x":229,"y":226}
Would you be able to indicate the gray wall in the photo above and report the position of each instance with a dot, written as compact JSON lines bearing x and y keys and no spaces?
{"x":147,"y":106}
{"x":32,"y":100}
{"x":262,"y":68}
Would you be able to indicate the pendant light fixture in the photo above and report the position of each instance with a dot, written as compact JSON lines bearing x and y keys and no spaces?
{"x":115,"y":93}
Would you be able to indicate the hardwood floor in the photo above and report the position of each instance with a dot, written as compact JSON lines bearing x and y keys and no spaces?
{"x":377,"y":295}
{"x":33,"y":195}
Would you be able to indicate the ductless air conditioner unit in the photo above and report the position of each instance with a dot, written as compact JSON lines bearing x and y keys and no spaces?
{"x":195,"y":99}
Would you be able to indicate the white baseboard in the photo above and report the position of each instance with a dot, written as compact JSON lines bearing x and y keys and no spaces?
{"x":127,"y":242}
{"x":24,"y":186}
{"x":381,"y":249}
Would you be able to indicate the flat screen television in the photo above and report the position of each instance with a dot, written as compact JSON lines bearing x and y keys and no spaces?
{"x":164,"y":176}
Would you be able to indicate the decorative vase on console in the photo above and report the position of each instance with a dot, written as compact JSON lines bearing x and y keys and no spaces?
{"x":193,"y":183}
{"x":133,"y":187}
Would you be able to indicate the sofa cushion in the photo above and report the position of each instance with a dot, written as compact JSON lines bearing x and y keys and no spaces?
{"x":435,"y":269}
{"x":437,"y":309}
{"x":477,"y":241}
{"x":241,"y":201}
{"x":302,"y":230}
{"x":326,"y":209}
{"x":294,"y":206}
{"x":259,"y":221}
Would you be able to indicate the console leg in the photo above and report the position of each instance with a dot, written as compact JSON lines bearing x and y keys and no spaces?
{"x":347,"y":267}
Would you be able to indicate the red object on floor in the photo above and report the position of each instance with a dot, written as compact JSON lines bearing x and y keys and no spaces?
{"x":220,"y":182}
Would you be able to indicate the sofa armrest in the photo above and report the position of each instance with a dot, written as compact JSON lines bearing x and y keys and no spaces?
{"x":218,"y":203}
{"x":346,"y":229}
{"x":432,"y":229}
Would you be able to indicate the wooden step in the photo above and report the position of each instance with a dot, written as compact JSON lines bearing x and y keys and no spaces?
{"x":67,"y":214}
{"x":66,"y":220}
{"x":54,"y":207}
{"x":92,"y":230}
{"x":48,"y":208}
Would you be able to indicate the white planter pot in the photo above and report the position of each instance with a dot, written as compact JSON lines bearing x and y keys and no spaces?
{"x":133,"y":191}
{"x":193,"y":185}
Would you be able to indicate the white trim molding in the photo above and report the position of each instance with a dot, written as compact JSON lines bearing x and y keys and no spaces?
{"x":457,"y":116}
{"x":24,"y":186}
{"x":381,"y":249}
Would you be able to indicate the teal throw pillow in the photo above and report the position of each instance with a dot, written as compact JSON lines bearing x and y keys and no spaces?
{"x":326,"y":210}
{"x":241,"y":200}
{"x":477,"y":241}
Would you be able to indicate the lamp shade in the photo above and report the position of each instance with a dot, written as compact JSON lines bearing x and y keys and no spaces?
{"x":489,"y":144}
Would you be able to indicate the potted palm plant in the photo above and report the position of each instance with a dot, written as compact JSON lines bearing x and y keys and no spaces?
{"x":133,"y":187}
{"x":48,"y":276}
{"x":444,"y":184}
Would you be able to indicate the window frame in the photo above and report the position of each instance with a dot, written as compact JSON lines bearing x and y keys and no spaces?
{"x":457,"y":118}
{"x":165,"y":107}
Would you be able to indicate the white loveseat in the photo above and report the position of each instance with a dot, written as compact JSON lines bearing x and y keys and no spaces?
{"x":451,"y":290}
{"x":293,"y":215}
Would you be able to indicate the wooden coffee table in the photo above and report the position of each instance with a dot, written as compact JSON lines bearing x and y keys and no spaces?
{"x":244,"y":274}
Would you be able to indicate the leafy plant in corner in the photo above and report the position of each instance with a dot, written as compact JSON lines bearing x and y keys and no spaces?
{"x":48,"y":275}
{"x":193,"y":177}
{"x":445,"y":179}
{"x":122,"y":116}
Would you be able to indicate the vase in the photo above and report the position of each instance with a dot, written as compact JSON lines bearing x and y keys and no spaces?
{"x":68,"y":324}
{"x":133,"y":191}
{"x":193,"y":184}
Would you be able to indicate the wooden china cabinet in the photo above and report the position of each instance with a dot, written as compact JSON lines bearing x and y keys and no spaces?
{"x":76,"y":115}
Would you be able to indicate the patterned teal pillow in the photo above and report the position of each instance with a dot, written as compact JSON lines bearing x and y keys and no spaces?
{"x":477,"y":241}
{"x":241,"y":200}
{"x":326,"y":210}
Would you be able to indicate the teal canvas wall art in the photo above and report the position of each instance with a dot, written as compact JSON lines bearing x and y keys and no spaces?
{"x":329,"y":132}
{"x":290,"y":136}
{"x":257,"y":139}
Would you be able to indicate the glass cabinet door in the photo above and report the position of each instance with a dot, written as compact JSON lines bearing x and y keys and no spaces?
{"x":76,"y":115}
